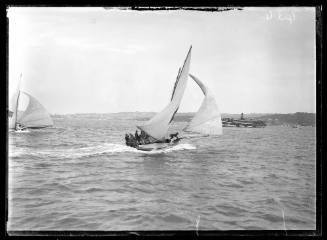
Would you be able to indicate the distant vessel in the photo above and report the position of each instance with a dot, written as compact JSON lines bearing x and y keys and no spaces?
{"x":34,"y":116}
{"x":154,"y":132}
{"x":13,"y":106}
{"x":242,"y":122}
{"x":207,"y":119}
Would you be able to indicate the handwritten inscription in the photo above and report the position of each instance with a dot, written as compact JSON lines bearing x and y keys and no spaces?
{"x":282,"y":15}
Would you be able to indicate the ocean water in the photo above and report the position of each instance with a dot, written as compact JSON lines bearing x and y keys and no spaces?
{"x":79,"y":175}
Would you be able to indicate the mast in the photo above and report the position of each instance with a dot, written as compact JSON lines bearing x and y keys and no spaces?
{"x":20,"y":79}
{"x":17,"y":108}
{"x":177,"y":78}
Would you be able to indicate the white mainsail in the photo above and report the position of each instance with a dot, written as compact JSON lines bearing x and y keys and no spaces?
{"x":207,"y":120}
{"x":13,"y":105}
{"x":35,"y":115}
{"x":157,"y":127}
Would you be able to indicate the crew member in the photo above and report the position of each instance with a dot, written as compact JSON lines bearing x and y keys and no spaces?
{"x":174,"y":137}
{"x":137,"y":136}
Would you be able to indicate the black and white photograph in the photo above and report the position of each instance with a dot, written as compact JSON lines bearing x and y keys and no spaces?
{"x":171,"y":119}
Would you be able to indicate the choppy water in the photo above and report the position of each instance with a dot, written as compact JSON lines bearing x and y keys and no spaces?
{"x":79,"y":175}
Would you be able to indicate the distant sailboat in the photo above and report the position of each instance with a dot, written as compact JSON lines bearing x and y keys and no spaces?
{"x":207,"y":120}
{"x":34,"y":116}
{"x":156,"y":128}
{"x":13,"y":105}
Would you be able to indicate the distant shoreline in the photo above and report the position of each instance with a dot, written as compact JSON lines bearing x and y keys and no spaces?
{"x":181,"y":113}
{"x":297,"y":118}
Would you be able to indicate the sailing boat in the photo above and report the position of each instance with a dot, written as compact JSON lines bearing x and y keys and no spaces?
{"x":156,"y":129}
{"x":34,"y":116}
{"x":13,"y":106}
{"x":207,"y":120}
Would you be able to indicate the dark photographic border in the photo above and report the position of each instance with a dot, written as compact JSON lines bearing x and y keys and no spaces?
{"x":320,"y":66}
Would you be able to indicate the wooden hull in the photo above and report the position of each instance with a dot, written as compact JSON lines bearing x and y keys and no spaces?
{"x":40,"y":127}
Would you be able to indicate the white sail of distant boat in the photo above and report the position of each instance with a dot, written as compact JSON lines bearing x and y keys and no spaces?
{"x":13,"y":105}
{"x":207,"y":120}
{"x":157,"y":126}
{"x":35,"y":115}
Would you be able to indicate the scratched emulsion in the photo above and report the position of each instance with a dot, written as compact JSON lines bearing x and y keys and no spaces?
{"x":79,"y":175}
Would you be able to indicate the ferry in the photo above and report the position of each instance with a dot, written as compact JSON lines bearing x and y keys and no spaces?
{"x":242,"y":122}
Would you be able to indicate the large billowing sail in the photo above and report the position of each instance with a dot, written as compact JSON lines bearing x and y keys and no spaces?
{"x":207,"y":120}
{"x":13,"y":105}
{"x":35,"y":115}
{"x":157,"y":127}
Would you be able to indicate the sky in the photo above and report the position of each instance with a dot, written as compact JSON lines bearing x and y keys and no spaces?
{"x":96,"y":60}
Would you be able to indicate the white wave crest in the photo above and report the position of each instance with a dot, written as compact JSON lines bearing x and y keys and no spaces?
{"x":106,"y":148}
{"x":16,"y":151}
{"x":179,"y":147}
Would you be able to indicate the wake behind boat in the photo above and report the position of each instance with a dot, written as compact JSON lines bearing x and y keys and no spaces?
{"x":156,"y":146}
{"x":155,"y":131}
